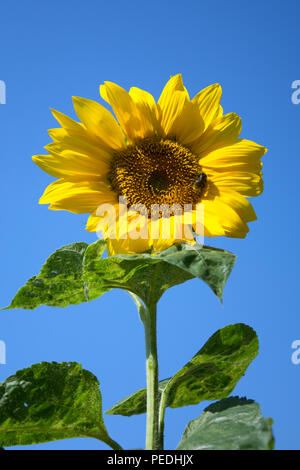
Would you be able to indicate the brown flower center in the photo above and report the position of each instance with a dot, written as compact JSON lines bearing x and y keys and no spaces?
{"x":157,"y":171}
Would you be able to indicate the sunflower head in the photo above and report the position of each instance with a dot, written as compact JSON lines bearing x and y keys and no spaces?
{"x":173,"y":154}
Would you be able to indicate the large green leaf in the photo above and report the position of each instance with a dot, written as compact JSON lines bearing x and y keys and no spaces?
{"x":78,"y":273}
{"x":149,"y":275}
{"x":210,"y":375}
{"x":59,"y":283}
{"x":51,"y":401}
{"x":231,"y":424}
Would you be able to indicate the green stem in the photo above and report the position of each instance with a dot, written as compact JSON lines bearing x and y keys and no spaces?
{"x":161,"y":418}
{"x":152,"y":379}
{"x":114,"y":445}
{"x":105,"y":438}
{"x":148,"y":317}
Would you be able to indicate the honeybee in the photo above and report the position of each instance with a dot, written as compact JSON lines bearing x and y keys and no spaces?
{"x":201,"y":181}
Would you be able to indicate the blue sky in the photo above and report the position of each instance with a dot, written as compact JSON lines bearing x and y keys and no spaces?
{"x":52,"y":50}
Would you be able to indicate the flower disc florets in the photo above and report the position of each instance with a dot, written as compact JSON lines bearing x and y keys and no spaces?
{"x":157,"y":171}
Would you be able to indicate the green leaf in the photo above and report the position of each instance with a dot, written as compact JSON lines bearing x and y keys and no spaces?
{"x":51,"y":401}
{"x":231,"y":424}
{"x":134,"y":404}
{"x":210,"y":375}
{"x":78,"y":273}
{"x":59,"y":283}
{"x":149,"y":275}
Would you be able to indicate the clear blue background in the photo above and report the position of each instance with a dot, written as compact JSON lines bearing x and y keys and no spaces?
{"x":54,"y":49}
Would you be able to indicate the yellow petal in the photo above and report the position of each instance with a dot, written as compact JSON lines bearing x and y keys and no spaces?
{"x":71,"y":145}
{"x":77,"y":197}
{"x":92,"y":222}
{"x":67,"y":123}
{"x":189,"y":124}
{"x":208,"y":101}
{"x":245,"y":183}
{"x":239,"y":204}
{"x":58,"y":133}
{"x":219,"y":112}
{"x":223,"y":131}
{"x":129,"y":234}
{"x":99,"y":121}
{"x":165,"y":231}
{"x":77,"y":131}
{"x":72,"y":164}
{"x":243,"y":155}
{"x":102,"y":217}
{"x":220,"y":219}
{"x":125,"y":110}
{"x":170,"y":105}
{"x":115,"y":247}
{"x":103,"y":93}
{"x":147,"y":108}
{"x":172,"y":112}
{"x":174,"y":84}
{"x":65,"y":141}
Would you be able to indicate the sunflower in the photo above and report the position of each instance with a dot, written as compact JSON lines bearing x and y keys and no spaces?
{"x":176,"y":152}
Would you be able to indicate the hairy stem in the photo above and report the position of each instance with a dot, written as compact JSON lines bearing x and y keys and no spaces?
{"x":148,"y":317}
{"x":161,"y":418}
{"x":152,"y":379}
